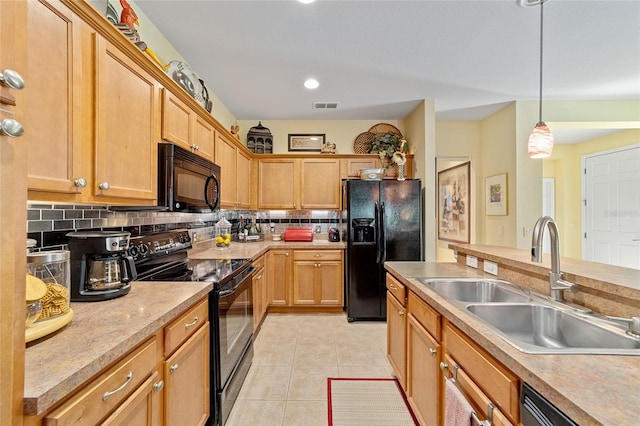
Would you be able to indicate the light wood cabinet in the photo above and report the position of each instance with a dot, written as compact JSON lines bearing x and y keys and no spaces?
{"x":143,"y":407}
{"x":497,"y":382}
{"x":260,"y":293}
{"x":350,"y":167}
{"x":299,"y":183}
{"x":317,"y":278}
{"x":279,"y":277}
{"x":396,"y":328}
{"x":184,"y":127}
{"x":235,"y":170}
{"x":423,"y":385}
{"x":95,"y":119}
{"x":187,"y":386}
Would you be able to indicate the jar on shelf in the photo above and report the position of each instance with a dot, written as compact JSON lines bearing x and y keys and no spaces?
{"x":53,"y":268}
{"x":222,"y":234}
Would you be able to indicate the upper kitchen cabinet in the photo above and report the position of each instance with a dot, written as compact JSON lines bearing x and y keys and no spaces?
{"x":235,"y":170}
{"x":94,"y":120}
{"x":127,"y":126}
{"x":298,"y":183}
{"x":57,"y":98}
{"x":184,"y":126}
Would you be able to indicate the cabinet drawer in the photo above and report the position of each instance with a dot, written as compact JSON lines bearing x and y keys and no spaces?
{"x":317,"y":255}
{"x":259,"y":263}
{"x":183,"y":327}
{"x":102,"y":395}
{"x":397,"y":289}
{"x":498,"y":383}
{"x":429,"y":318}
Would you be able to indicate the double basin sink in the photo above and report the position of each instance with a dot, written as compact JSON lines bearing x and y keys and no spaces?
{"x":533,"y":323}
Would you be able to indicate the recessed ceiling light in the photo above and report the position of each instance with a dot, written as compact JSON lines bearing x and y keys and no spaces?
{"x":311,"y":83}
{"x":306,"y":1}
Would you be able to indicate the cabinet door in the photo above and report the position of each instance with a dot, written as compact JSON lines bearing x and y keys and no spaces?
{"x":258,"y":287}
{"x":54,"y":93}
{"x":331,"y":288}
{"x":243,"y":179}
{"x":320,"y":184}
{"x":187,"y":381}
{"x":203,"y":137}
{"x":127,"y":126}
{"x":277,"y":184}
{"x":176,"y":119}
{"x":396,"y":337}
{"x":226,"y":158}
{"x":143,"y":407}
{"x":305,"y":283}
{"x":279,"y":264}
{"x":353,"y":166}
{"x":423,"y":385}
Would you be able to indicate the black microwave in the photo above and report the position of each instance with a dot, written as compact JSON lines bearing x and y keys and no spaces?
{"x":186,"y":181}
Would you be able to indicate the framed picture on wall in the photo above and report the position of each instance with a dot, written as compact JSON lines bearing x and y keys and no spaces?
{"x":496,"y":195}
{"x":306,"y":142}
{"x":454,"y":204}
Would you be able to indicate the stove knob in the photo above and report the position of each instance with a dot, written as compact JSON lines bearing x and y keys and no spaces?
{"x":143,"y":249}
{"x":133,"y":251}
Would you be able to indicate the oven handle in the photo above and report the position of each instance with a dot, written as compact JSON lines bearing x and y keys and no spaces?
{"x":238,"y":280}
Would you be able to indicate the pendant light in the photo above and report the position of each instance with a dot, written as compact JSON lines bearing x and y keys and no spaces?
{"x":541,"y":140}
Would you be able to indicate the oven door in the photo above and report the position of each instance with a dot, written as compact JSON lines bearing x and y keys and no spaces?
{"x":233,"y":310}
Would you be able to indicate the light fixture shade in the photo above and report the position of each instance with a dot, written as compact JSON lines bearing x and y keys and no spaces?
{"x":540,"y":141}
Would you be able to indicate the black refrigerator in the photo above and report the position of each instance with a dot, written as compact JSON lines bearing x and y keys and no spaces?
{"x":382,"y":221}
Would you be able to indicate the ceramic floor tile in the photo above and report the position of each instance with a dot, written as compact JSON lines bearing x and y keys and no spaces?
{"x":360,"y":354}
{"x":266,"y":382}
{"x":307,"y":413}
{"x":318,"y":355}
{"x":280,"y":353}
{"x":252,"y":413}
{"x":310,"y":383}
{"x":370,"y":371}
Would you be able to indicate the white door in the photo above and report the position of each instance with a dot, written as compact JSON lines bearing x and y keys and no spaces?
{"x":612,"y":207}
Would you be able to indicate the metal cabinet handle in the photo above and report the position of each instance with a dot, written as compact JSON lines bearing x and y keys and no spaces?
{"x":317,"y":255}
{"x":11,"y":127}
{"x":104,"y":186}
{"x":286,"y":254}
{"x":433,"y":352}
{"x":444,"y":366}
{"x":158,"y":386}
{"x":192,"y":323}
{"x":12,"y":79}
{"x":392,"y":287}
{"x":401,"y":313}
{"x":174,"y":368}
{"x":106,"y":395}
{"x":259,"y":277}
{"x":80,"y":183}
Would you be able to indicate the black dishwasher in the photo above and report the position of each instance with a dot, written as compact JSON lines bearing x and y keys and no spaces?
{"x":535,"y":410}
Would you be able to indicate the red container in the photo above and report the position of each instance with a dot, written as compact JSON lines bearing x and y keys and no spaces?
{"x":298,"y":235}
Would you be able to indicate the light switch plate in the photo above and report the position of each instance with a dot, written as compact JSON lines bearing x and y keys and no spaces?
{"x":472,"y":261}
{"x":490,"y":267}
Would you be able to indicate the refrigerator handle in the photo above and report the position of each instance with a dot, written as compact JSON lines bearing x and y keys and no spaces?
{"x":383,"y":237}
{"x":377,"y":231}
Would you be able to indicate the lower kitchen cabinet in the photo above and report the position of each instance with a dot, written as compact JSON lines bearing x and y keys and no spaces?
{"x":317,"y":278}
{"x":260,"y":293}
{"x":143,"y":407}
{"x":423,"y":384}
{"x":279,"y":277}
{"x":396,"y":328}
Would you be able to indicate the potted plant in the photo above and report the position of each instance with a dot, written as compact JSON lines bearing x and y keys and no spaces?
{"x":386,"y":145}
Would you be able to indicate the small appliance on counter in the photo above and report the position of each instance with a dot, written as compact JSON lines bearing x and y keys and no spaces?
{"x":334,"y":235}
{"x":298,"y":235}
{"x":101,"y":268}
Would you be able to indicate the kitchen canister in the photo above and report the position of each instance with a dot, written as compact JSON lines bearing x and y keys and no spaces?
{"x":52,"y":267}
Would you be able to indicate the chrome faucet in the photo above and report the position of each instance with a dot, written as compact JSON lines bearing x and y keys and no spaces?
{"x":557,"y":285}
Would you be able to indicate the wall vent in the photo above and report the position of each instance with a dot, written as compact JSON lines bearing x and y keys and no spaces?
{"x":325,"y":105}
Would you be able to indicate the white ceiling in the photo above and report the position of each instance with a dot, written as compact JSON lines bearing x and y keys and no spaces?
{"x":378,"y":59}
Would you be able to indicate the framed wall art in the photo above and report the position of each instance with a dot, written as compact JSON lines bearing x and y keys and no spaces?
{"x":306,"y":142}
{"x":496,"y":195}
{"x":454,"y":203}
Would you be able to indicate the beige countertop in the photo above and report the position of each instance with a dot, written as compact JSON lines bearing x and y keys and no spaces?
{"x":591,"y":389}
{"x":253,"y":250}
{"x":99,"y":334}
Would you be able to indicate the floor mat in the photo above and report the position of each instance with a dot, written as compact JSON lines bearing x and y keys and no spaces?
{"x":368,"y":402}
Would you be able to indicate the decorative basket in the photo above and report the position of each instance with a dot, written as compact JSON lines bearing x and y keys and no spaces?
{"x":362,"y":142}
{"x":385,"y":128}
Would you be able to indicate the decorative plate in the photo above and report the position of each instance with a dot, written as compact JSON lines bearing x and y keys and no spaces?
{"x":362,"y":142}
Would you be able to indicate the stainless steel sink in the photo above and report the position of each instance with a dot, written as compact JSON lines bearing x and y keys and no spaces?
{"x":541,"y":328}
{"x":477,"y":290}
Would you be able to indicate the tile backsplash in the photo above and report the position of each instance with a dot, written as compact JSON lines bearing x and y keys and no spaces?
{"x":48,"y":223}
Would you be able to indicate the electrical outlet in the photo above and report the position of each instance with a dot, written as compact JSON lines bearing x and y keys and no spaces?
{"x":472,"y":261}
{"x":490,"y":267}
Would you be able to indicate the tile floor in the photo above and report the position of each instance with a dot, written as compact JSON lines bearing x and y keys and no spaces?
{"x":294,"y":356}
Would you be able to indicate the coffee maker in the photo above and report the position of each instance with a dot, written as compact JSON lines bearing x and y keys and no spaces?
{"x":101,"y":269}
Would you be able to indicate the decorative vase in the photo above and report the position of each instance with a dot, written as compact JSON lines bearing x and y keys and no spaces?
{"x":400,"y":171}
